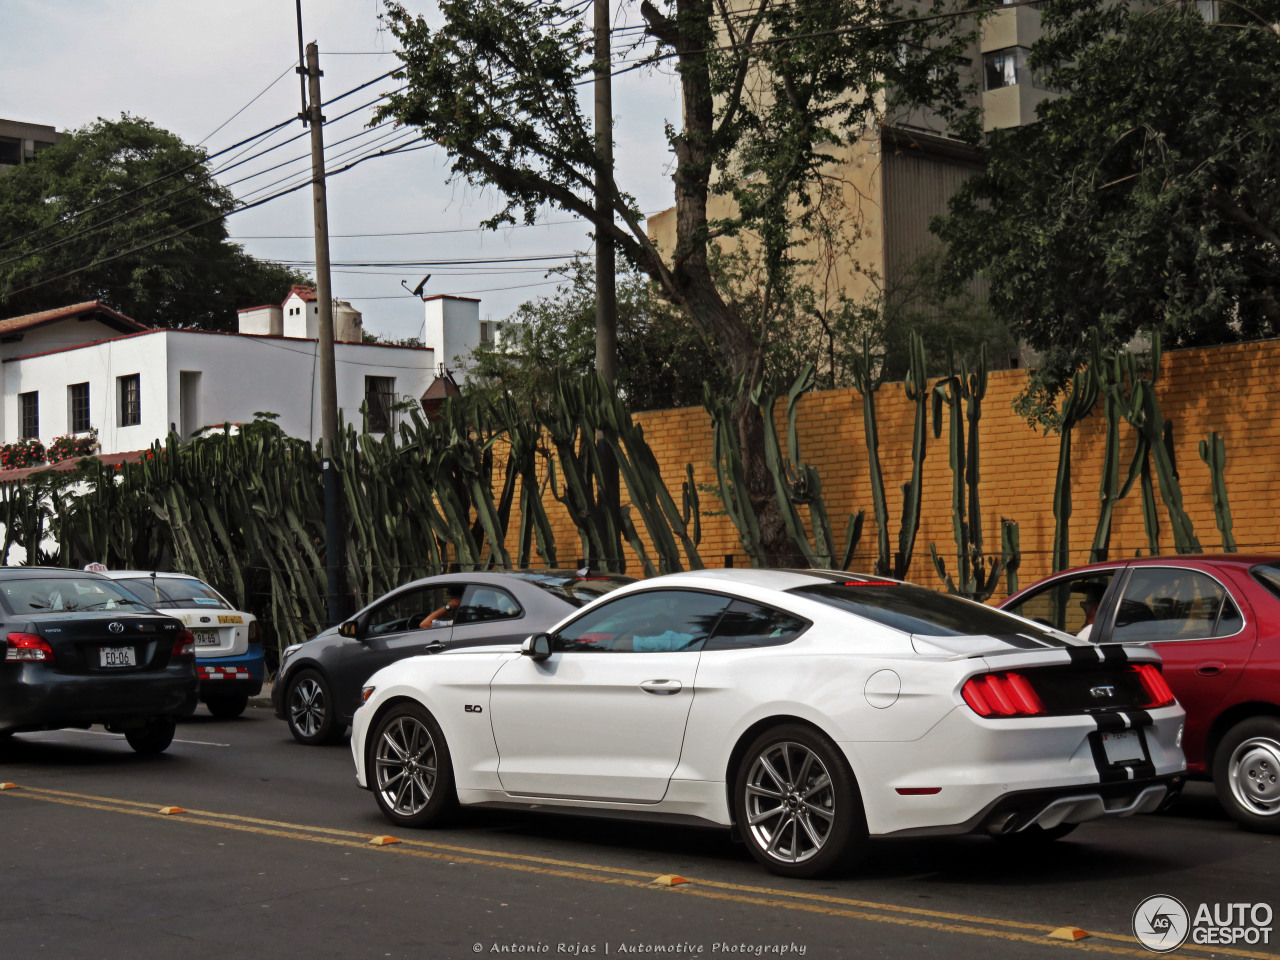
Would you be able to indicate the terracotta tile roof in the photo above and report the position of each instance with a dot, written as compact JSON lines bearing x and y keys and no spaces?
{"x":305,"y":293}
{"x":265,"y":306}
{"x":108,"y":316}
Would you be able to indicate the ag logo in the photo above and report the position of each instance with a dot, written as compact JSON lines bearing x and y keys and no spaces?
{"x":1161,"y":923}
{"x":473,"y":708}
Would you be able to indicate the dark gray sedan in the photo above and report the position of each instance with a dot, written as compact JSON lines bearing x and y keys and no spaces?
{"x":77,"y":649}
{"x":317,"y":689}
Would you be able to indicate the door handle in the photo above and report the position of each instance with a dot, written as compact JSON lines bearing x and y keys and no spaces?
{"x":1210,"y":668}
{"x":661,"y":687}
{"x":435,"y":647}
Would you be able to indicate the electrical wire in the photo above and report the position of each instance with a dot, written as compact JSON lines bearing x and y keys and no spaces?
{"x":287,"y":70}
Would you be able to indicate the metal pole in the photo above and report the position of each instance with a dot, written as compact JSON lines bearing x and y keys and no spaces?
{"x":328,"y":366}
{"x":606,"y":289}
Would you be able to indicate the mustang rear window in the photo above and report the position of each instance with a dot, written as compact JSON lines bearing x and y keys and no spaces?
{"x":927,"y":613}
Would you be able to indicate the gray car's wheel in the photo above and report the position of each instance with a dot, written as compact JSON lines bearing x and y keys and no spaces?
{"x":310,"y":710}
{"x":1246,"y":773}
{"x":797,"y":804}
{"x":410,"y":769}
{"x":152,"y":737}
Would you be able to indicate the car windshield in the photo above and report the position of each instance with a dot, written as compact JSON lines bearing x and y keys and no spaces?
{"x":580,"y":591}
{"x":927,"y":613}
{"x":65,"y":594}
{"x":176,"y":592}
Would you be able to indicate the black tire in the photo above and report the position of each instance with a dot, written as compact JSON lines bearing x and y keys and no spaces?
{"x":818,"y":825}
{"x":1036,"y":835}
{"x":152,"y":737}
{"x":410,"y":771}
{"x":310,"y":710}
{"x":1246,"y":774}
{"x":227,"y":706}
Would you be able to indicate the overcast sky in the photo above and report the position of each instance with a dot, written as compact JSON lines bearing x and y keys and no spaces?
{"x":190,"y":65}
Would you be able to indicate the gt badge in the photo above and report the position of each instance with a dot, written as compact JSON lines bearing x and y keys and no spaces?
{"x":473,"y":708}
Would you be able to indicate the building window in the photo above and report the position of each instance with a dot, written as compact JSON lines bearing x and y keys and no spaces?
{"x":488,"y":331}
{"x":78,"y":405}
{"x":130,"y":400}
{"x":1000,"y":67}
{"x":29,"y":404}
{"x":379,"y":395}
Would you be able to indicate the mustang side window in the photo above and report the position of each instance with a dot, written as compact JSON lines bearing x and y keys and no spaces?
{"x":747,"y":624}
{"x":656,"y":621}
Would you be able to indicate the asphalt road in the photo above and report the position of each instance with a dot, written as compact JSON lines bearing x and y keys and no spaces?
{"x":271,"y":857}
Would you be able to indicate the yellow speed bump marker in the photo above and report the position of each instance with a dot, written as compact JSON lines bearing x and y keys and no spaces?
{"x":1068,"y":933}
{"x":382,"y":841}
{"x":669,"y":880}
{"x":8,"y":786}
{"x":170,"y":811}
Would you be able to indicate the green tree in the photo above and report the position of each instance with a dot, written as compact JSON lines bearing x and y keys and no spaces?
{"x":770,"y":92}
{"x":662,"y":362}
{"x":90,"y":198}
{"x":1145,"y":198}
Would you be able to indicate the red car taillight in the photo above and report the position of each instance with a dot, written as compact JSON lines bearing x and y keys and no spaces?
{"x":184,"y":644}
{"x":255,"y":632}
{"x":28,"y":647}
{"x":1153,"y":682}
{"x":1001,"y":694}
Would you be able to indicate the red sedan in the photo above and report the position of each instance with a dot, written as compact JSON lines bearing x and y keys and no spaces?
{"x":1215,"y":621}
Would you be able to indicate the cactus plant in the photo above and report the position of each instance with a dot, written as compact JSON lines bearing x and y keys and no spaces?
{"x":976,"y":575}
{"x":1213,"y":451}
{"x":1078,"y":404}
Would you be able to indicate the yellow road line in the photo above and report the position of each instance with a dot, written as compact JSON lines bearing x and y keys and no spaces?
{"x":807,"y":902}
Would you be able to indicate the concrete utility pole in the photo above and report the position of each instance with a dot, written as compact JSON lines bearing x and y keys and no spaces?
{"x":328,"y":366}
{"x":606,"y":288}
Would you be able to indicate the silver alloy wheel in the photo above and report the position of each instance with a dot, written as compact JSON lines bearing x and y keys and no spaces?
{"x":405,"y":766}
{"x":307,"y":706}
{"x":790,"y":802}
{"x":1253,"y":773}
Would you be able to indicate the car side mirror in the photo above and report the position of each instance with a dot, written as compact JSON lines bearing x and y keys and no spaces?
{"x":537,"y":647}
{"x":349,"y":628}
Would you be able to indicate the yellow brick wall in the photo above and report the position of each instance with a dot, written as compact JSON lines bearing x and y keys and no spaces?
{"x":1223,"y":389}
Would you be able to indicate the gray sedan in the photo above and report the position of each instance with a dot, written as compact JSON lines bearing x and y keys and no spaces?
{"x":317,"y":688}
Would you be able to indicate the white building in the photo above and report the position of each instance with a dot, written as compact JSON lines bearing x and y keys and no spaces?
{"x":88,"y":367}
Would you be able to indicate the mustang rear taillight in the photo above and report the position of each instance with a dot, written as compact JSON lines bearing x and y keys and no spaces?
{"x":1001,"y":695}
{"x":28,"y":647}
{"x":1153,"y":682}
{"x":184,"y":644}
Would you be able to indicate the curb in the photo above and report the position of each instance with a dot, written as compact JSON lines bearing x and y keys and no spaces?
{"x":263,"y":699}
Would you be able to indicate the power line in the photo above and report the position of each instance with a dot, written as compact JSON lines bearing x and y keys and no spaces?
{"x":208,"y":175}
{"x":193,"y":226}
{"x":287,"y":71}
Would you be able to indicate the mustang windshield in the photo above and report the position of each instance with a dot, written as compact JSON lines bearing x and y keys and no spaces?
{"x":928,"y":613}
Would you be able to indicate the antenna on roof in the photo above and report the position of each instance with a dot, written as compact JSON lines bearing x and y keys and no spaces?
{"x":417,"y":291}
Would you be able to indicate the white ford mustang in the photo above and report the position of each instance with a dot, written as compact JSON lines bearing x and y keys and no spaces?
{"x":807,"y":710}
